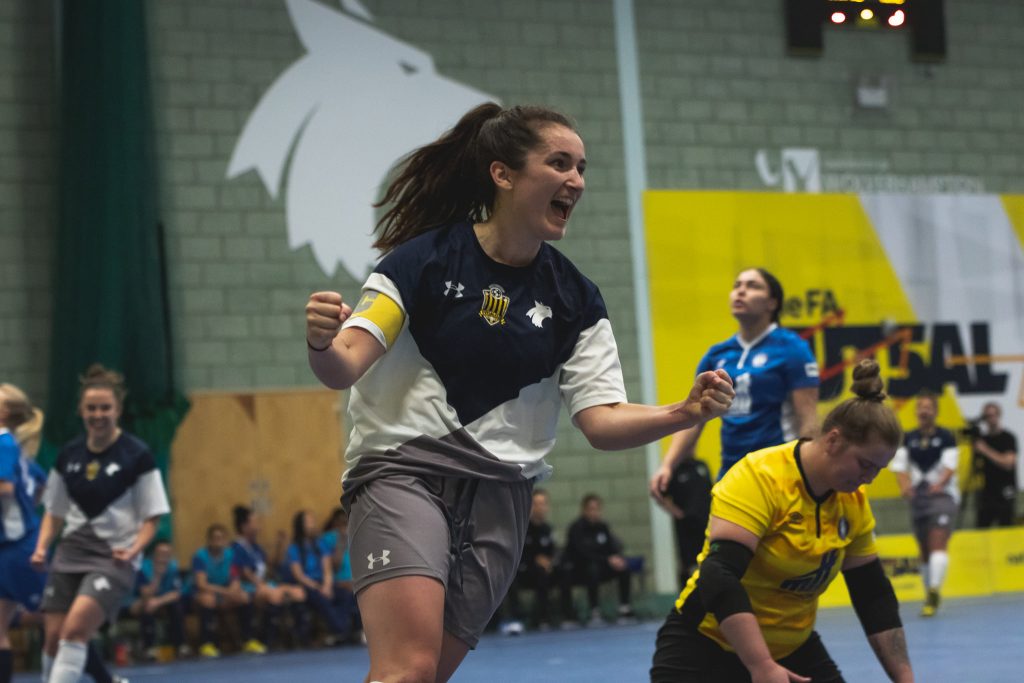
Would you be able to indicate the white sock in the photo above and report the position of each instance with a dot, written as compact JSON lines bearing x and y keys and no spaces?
{"x":46,"y":664}
{"x":938,"y":562}
{"x":69,"y":663}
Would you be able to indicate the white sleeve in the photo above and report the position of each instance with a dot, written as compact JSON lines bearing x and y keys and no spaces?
{"x":950,"y":458}
{"x":899,"y":462}
{"x":593,"y":375}
{"x":149,"y":496}
{"x":55,"y":497}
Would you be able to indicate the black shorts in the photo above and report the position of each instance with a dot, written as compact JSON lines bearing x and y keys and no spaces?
{"x":682,"y":655}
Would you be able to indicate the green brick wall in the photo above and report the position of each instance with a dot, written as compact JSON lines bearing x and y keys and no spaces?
{"x":717,"y":87}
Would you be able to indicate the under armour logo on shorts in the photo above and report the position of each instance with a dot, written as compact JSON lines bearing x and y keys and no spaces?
{"x":383,"y":559}
{"x":101,"y":584}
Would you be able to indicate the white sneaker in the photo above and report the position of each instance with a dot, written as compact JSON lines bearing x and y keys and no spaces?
{"x":512,"y":628}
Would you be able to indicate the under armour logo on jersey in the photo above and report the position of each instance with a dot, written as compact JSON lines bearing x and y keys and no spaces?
{"x":101,"y":584}
{"x":449,"y":286}
{"x":75,"y":467}
{"x":539,"y":313}
{"x":112,"y":469}
{"x":383,"y":559}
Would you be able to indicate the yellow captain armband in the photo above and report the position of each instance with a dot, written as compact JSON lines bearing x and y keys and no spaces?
{"x":379,"y":315}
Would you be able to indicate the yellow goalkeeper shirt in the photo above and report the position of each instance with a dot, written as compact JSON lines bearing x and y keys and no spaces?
{"x":804,"y":541}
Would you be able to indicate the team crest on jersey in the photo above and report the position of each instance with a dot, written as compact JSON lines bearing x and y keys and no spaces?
{"x":92,"y":469}
{"x":495,"y":305}
{"x":759,"y":360}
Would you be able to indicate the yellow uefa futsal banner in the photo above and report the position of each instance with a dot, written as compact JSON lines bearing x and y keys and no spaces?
{"x":929,"y":285}
{"x":980,"y":563}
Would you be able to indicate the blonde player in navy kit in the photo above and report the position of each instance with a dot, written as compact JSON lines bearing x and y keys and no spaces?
{"x":469,"y":334}
{"x":104,"y":497}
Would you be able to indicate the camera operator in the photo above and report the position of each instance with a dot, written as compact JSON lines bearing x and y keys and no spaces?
{"x":997,"y":451}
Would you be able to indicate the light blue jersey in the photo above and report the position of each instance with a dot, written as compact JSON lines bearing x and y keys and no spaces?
{"x":764,"y":374}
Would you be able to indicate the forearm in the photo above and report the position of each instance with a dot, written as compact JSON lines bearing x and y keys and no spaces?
{"x":628,"y":425}
{"x":744,"y":634}
{"x":682,"y":446}
{"x":146,"y":533}
{"x":891,"y":649}
{"x":1006,"y":461}
{"x":48,"y":529}
{"x":348,"y":357}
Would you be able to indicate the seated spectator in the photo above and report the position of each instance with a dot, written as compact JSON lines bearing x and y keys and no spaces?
{"x":537,"y":569}
{"x":334,"y":544}
{"x":592,"y":556}
{"x":250,"y":563}
{"x":217,"y":587}
{"x":159,"y":596}
{"x":309,"y":567}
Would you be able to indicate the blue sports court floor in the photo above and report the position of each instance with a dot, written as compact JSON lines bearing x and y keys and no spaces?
{"x":971,"y":641}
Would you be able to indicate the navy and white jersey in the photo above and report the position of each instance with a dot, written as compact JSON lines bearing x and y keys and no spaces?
{"x":764,"y":373}
{"x":473,"y":381}
{"x":103,"y":498}
{"x":17,"y":512}
{"x":926,"y":457}
{"x":248,"y":556}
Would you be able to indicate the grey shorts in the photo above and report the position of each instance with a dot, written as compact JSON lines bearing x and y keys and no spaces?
{"x":466,"y":533}
{"x":936,"y":511}
{"x":63,"y":587}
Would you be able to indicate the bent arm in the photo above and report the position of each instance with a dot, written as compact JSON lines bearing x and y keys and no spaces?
{"x":349,"y":356}
{"x":1006,"y":460}
{"x":620,"y":426}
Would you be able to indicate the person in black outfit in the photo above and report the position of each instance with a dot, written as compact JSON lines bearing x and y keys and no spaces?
{"x":592,"y":556}
{"x":688,"y":500}
{"x":997,"y":452}
{"x":536,"y":568}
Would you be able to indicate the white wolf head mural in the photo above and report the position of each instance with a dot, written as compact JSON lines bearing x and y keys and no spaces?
{"x":343,"y":115}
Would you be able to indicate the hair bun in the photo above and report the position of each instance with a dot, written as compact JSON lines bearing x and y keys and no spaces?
{"x":867,"y":381}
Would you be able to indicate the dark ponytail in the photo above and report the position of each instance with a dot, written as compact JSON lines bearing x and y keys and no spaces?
{"x":866,"y":416}
{"x":449,"y":179}
{"x":774,"y":291}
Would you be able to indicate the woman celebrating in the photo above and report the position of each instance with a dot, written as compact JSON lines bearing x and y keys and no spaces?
{"x":105,"y":492}
{"x":468,"y":334}
{"x":784,"y":521}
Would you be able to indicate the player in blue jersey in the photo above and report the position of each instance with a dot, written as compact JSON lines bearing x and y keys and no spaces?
{"x":19,"y":523}
{"x":469,"y":335}
{"x":774,"y":374}
{"x":925,"y":468}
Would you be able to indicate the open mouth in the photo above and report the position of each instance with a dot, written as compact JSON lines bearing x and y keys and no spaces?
{"x":563,"y":207}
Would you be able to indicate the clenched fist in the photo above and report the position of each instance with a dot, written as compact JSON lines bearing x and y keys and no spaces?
{"x":712,"y":394}
{"x":325,"y":313}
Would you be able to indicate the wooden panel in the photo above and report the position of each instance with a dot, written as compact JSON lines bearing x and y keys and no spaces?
{"x":277,"y":451}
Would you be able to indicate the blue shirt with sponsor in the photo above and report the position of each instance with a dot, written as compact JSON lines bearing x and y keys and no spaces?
{"x":18,"y":517}
{"x":328,"y":545}
{"x":219,"y":570}
{"x":764,"y":373}
{"x":310,"y":560}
